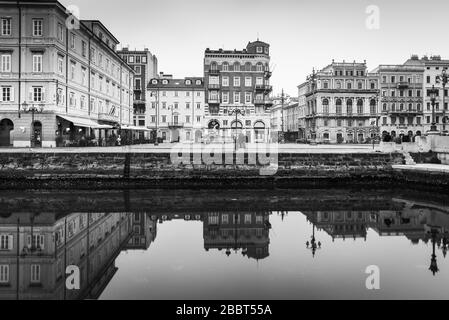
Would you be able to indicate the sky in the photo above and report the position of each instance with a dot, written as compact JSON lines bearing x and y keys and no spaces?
{"x":302,"y":34}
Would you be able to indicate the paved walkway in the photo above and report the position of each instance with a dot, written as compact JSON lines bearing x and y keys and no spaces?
{"x":172,"y":147}
{"x":424,"y":167}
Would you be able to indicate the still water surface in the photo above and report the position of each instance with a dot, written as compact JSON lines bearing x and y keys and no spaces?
{"x":216,"y":244}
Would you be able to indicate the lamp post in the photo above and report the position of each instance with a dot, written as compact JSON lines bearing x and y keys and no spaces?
{"x":433,"y":261}
{"x":375,"y":124}
{"x":312,"y":79}
{"x":236,"y":111}
{"x":443,"y":79}
{"x":32,"y":108}
{"x":156,"y":94}
{"x":313,"y":245}
{"x":433,"y":96}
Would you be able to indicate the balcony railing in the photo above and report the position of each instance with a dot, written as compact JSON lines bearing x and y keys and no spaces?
{"x":213,"y":86}
{"x":175,"y":124}
{"x":263,"y":87}
{"x":403,"y":85}
{"x":404,"y":111}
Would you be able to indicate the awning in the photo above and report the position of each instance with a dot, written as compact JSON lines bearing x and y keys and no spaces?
{"x":86,"y":123}
{"x":135,"y":128}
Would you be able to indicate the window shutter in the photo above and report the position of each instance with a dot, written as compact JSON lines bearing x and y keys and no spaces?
{"x":31,"y":94}
{"x":43,"y":94}
{"x":12,"y":94}
{"x":10,"y":242}
{"x":29,"y":241}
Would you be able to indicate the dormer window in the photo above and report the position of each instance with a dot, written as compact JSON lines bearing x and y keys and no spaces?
{"x":154,"y":81}
{"x":164,"y":81}
{"x":266,"y":50}
{"x":198,"y":82}
{"x":188,"y":82}
{"x":259,"y":49}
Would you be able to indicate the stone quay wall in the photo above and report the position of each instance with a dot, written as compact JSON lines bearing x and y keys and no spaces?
{"x":156,"y":170}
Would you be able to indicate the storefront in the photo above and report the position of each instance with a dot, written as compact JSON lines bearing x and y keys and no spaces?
{"x":80,"y":132}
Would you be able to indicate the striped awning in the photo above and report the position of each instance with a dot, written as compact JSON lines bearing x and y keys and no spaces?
{"x":85,"y":123}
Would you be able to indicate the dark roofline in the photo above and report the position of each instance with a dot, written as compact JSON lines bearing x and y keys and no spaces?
{"x":103,"y":26}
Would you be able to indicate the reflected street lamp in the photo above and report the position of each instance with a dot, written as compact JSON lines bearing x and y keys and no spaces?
{"x":313,"y":245}
{"x":433,"y":261}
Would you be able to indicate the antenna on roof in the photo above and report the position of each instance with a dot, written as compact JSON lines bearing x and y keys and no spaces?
{"x":257,"y":36}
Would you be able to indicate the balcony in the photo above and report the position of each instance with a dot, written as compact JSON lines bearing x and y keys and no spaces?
{"x":213,"y":86}
{"x":263,"y":101}
{"x":214,"y":100}
{"x":405,"y":111}
{"x":268,"y":74}
{"x":263,"y":87}
{"x":214,"y":71}
{"x":174,"y":125}
{"x":403,"y":85}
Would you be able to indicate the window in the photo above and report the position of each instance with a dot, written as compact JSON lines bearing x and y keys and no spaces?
{"x":187,"y":119}
{"x":198,"y":106}
{"x":247,"y":218}
{"x":225,"y":67}
{"x":137,"y":83}
{"x":259,"y":67}
{"x":6,"y":63}
{"x":259,"y":49}
{"x":7,"y":94}
{"x":6,"y":26}
{"x":35,"y":273}
{"x":225,"y":81}
{"x":72,"y":40}
{"x":38,"y":27}
{"x":138,"y":70}
{"x":248,"y":96}
{"x":198,"y":119}
{"x":248,"y":81}
{"x":6,"y":242}
{"x":236,"y":66}
{"x":4,"y":273}
{"x":236,"y":81}
{"x":131,"y":59}
{"x":225,"y":97}
{"x":83,"y":75}
{"x":37,"y":63}
{"x":72,"y":101}
{"x":60,"y":65}
{"x":38,"y":94}
{"x":83,"y":48}
{"x":236,"y":97}
{"x":72,"y":70}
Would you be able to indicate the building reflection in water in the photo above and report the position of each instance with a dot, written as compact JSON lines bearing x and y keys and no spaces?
{"x":36,"y":248}
{"x":415,"y":221}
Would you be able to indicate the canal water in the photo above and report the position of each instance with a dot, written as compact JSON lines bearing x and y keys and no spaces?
{"x":225,"y":244}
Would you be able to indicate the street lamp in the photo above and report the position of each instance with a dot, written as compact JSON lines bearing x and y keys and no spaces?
{"x":313,"y":245}
{"x":156,"y":94}
{"x":433,"y":96}
{"x":33,"y":108}
{"x":236,"y":111}
{"x":375,"y":124}
{"x":443,"y":79}
{"x":433,"y":261}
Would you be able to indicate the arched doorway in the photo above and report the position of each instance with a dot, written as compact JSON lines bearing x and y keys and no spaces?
{"x":198,"y":135}
{"x":6,"y":126}
{"x":36,"y":135}
{"x":259,"y":131}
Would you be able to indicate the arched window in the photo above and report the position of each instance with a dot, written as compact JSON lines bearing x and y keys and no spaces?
{"x":373,"y":85}
{"x":225,"y":66}
{"x":410,"y":107}
{"x":259,"y":67}
{"x":338,"y":106}
{"x":418,"y":107}
{"x":236,"y":66}
{"x":248,"y":66}
{"x":384,"y":107}
{"x":360,"y":85}
{"x":360,"y":106}
{"x":372,"y":106}
{"x":401,"y":106}
{"x":213,"y":66}
{"x":349,"y":106}
{"x":325,"y":106}
{"x":393,"y":107}
{"x":349,"y":85}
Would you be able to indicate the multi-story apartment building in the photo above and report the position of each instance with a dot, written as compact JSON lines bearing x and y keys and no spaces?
{"x":59,"y":81}
{"x":238,"y":80}
{"x":36,"y":249}
{"x":341,"y":104}
{"x":144,"y":232}
{"x":302,"y":104}
{"x":433,"y":70}
{"x":291,"y":119}
{"x":401,"y":100}
{"x":145,"y":65}
{"x":176,"y":108}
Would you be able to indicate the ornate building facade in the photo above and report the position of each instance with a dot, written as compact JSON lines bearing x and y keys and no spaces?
{"x":341,"y":104}
{"x":59,"y":82}
{"x":401,"y":99}
{"x":238,"y":80}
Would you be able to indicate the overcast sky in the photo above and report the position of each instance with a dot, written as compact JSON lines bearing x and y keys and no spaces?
{"x":302,"y":34}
